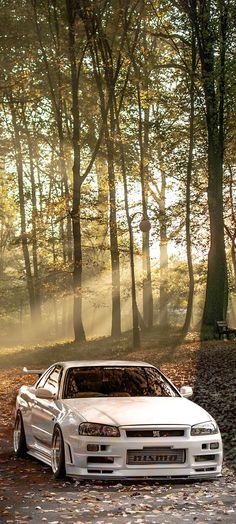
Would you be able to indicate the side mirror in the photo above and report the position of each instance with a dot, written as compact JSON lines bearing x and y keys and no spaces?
{"x":186,"y":391}
{"x":45,"y":394}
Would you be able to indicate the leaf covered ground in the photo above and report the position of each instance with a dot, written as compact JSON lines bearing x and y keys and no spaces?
{"x":28,"y":492}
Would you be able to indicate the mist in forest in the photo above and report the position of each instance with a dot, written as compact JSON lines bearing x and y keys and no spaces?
{"x":56,"y":322}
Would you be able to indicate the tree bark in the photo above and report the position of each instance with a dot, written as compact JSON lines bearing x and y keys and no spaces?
{"x":147,"y":280}
{"x":189,"y":310}
{"x":115,"y":259}
{"x":24,"y":239}
{"x":57,"y":106}
{"x":135,"y":313}
{"x":232,"y":233}
{"x":217,"y":284}
{"x":77,"y":181}
{"x":163,"y":310}
{"x":107,"y":112}
{"x":102,"y":206}
{"x":37,"y":294}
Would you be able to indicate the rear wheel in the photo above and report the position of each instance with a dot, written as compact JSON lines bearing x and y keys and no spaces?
{"x":58,"y":454}
{"x":19,"y":440}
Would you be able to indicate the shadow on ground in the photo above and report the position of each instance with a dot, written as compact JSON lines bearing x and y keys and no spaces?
{"x":215,"y":390}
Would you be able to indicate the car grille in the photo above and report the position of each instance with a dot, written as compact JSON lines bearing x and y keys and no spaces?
{"x":155,"y":433}
{"x":155,"y":456}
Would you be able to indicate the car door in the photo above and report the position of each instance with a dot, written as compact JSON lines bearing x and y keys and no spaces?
{"x":45,"y":411}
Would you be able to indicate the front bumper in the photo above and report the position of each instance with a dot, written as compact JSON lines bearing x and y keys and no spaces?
{"x":202,"y":456}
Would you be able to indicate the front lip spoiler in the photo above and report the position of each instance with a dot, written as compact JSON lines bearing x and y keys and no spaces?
{"x":166,"y":478}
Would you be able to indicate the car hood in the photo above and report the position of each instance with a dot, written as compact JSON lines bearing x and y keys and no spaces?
{"x":123,"y":411}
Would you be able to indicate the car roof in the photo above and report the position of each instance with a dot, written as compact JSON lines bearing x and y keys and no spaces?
{"x":101,"y":363}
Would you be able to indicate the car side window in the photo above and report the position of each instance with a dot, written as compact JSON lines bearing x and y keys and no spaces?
{"x":53,"y":381}
{"x":42,"y":380}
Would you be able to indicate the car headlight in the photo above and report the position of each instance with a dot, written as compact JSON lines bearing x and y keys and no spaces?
{"x":98,"y":430}
{"x":205,"y":428}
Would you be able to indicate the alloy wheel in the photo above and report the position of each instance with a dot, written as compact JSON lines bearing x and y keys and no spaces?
{"x":56,"y":451}
{"x":17,"y":433}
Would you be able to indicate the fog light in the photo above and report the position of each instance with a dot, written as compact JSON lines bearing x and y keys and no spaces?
{"x":214,"y":445}
{"x":92,"y":447}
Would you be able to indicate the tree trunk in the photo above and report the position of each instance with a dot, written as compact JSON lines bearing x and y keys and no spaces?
{"x":102,"y":207}
{"x":37,"y":294}
{"x":115,"y":262}
{"x":77,"y":273}
{"x":55,"y":314}
{"x":217,"y":290}
{"x":188,"y":316}
{"x":233,"y":256}
{"x":53,"y":246}
{"x":217,"y":285}
{"x":59,"y":118}
{"x":208,"y":40}
{"x":106,"y":73}
{"x":24,"y":240}
{"x":76,"y":226}
{"x":57,"y":106}
{"x":147,"y":280}
{"x":232,"y":233}
{"x":107,"y":112}
{"x":135,"y":313}
{"x":3,"y":222}
{"x":164,"y":314}
{"x":68,"y":250}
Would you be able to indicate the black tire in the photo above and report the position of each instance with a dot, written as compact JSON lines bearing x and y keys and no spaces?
{"x":19,"y":440}
{"x":58,"y":454}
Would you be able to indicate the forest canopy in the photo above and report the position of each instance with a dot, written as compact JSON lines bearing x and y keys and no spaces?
{"x":117,"y":172}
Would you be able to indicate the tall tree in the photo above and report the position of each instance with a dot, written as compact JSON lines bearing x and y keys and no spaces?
{"x":103,"y":59}
{"x":143,"y":144}
{"x":209,"y":19}
{"x":53,"y":65}
{"x":107,"y":53}
{"x":77,"y":178}
{"x":188,"y":186}
{"x":24,"y":236}
{"x":34,"y":213}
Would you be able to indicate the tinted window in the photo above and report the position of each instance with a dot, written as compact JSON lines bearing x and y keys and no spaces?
{"x":42,"y":380}
{"x":117,"y":382}
{"x":53,"y":381}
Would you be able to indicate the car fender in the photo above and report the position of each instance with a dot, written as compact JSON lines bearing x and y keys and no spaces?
{"x":69,"y":422}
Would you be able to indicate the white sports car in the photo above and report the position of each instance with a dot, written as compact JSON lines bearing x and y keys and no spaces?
{"x":115,"y":419}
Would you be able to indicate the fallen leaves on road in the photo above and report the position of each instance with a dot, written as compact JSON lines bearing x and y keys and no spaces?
{"x":30,"y":494}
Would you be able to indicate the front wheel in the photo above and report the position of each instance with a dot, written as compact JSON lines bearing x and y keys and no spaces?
{"x":19,"y":440}
{"x":58,"y":454}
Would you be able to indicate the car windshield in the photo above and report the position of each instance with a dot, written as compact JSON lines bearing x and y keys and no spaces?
{"x":82,"y":382}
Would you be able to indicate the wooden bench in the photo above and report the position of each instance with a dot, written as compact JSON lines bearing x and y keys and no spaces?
{"x":223,"y":329}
